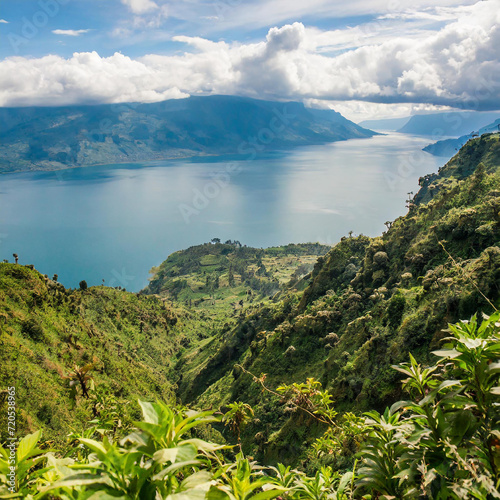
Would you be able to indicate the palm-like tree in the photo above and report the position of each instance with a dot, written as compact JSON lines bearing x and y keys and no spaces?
{"x":81,"y":376}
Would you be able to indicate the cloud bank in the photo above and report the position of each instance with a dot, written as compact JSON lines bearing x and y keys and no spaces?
{"x":456,"y":66}
{"x":70,"y":32}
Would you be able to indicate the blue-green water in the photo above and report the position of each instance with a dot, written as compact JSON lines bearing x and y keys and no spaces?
{"x":114,"y":222}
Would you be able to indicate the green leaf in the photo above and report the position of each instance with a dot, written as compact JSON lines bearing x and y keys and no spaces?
{"x":199,"y":480}
{"x":180,"y":453}
{"x":174,"y":468}
{"x":448,"y":383}
{"x":199,"y":444}
{"x":102,"y":495}
{"x":219,"y":493}
{"x":188,"y":495}
{"x":447,"y":353}
{"x":77,"y":480}
{"x":344,"y":481}
{"x":494,"y":368}
{"x":264,"y":495}
{"x":149,"y":412}
{"x":95,"y":446}
{"x":27,"y":445}
{"x":400,"y":404}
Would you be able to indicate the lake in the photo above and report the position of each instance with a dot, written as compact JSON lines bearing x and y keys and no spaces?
{"x":114,"y":222}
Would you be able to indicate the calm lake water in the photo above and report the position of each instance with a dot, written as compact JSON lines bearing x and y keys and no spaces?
{"x":114,"y":222}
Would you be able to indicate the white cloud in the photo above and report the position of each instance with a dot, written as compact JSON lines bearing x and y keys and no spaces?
{"x":458,"y":65}
{"x":3,"y":21}
{"x":140,"y":6}
{"x":358,"y":111}
{"x":235,"y":14}
{"x":70,"y":32}
{"x":85,"y":78}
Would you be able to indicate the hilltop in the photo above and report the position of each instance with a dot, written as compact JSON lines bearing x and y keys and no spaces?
{"x":483,"y":151}
{"x":50,"y":138}
{"x":222,"y":274}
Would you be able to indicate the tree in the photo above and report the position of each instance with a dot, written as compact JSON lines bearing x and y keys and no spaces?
{"x":238,"y":415}
{"x":215,"y":240}
{"x":80,"y":376}
{"x":231,"y":276}
{"x":55,"y":277}
{"x":83,"y":285}
{"x":15,"y":257}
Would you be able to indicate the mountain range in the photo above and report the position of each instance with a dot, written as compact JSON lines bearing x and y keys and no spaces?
{"x":50,"y":138}
{"x":449,"y":147}
{"x":448,"y":124}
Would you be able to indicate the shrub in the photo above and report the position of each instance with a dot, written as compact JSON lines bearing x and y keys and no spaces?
{"x":395,"y":310}
{"x":33,"y":329}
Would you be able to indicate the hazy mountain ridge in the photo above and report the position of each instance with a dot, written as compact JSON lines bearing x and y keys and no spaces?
{"x":448,"y":124}
{"x":388,"y":124}
{"x":61,"y":137}
{"x":449,"y":147}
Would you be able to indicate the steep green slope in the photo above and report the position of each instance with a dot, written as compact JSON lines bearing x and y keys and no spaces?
{"x":45,"y":330}
{"x":370,"y":302}
{"x":485,"y":150}
{"x":130,"y":340}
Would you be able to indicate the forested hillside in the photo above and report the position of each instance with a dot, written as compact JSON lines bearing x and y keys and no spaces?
{"x":60,"y":346}
{"x":370,"y":302}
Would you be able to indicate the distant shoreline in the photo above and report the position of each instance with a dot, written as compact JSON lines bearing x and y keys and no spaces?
{"x":241,"y":157}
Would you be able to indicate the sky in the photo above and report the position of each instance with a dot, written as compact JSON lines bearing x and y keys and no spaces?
{"x":363,"y":58}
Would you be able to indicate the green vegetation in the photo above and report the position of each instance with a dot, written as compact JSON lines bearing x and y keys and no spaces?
{"x":370,"y":302}
{"x":347,"y":372}
{"x":228,"y":277}
{"x":51,"y":337}
{"x":55,"y":342}
{"x":441,"y":444}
